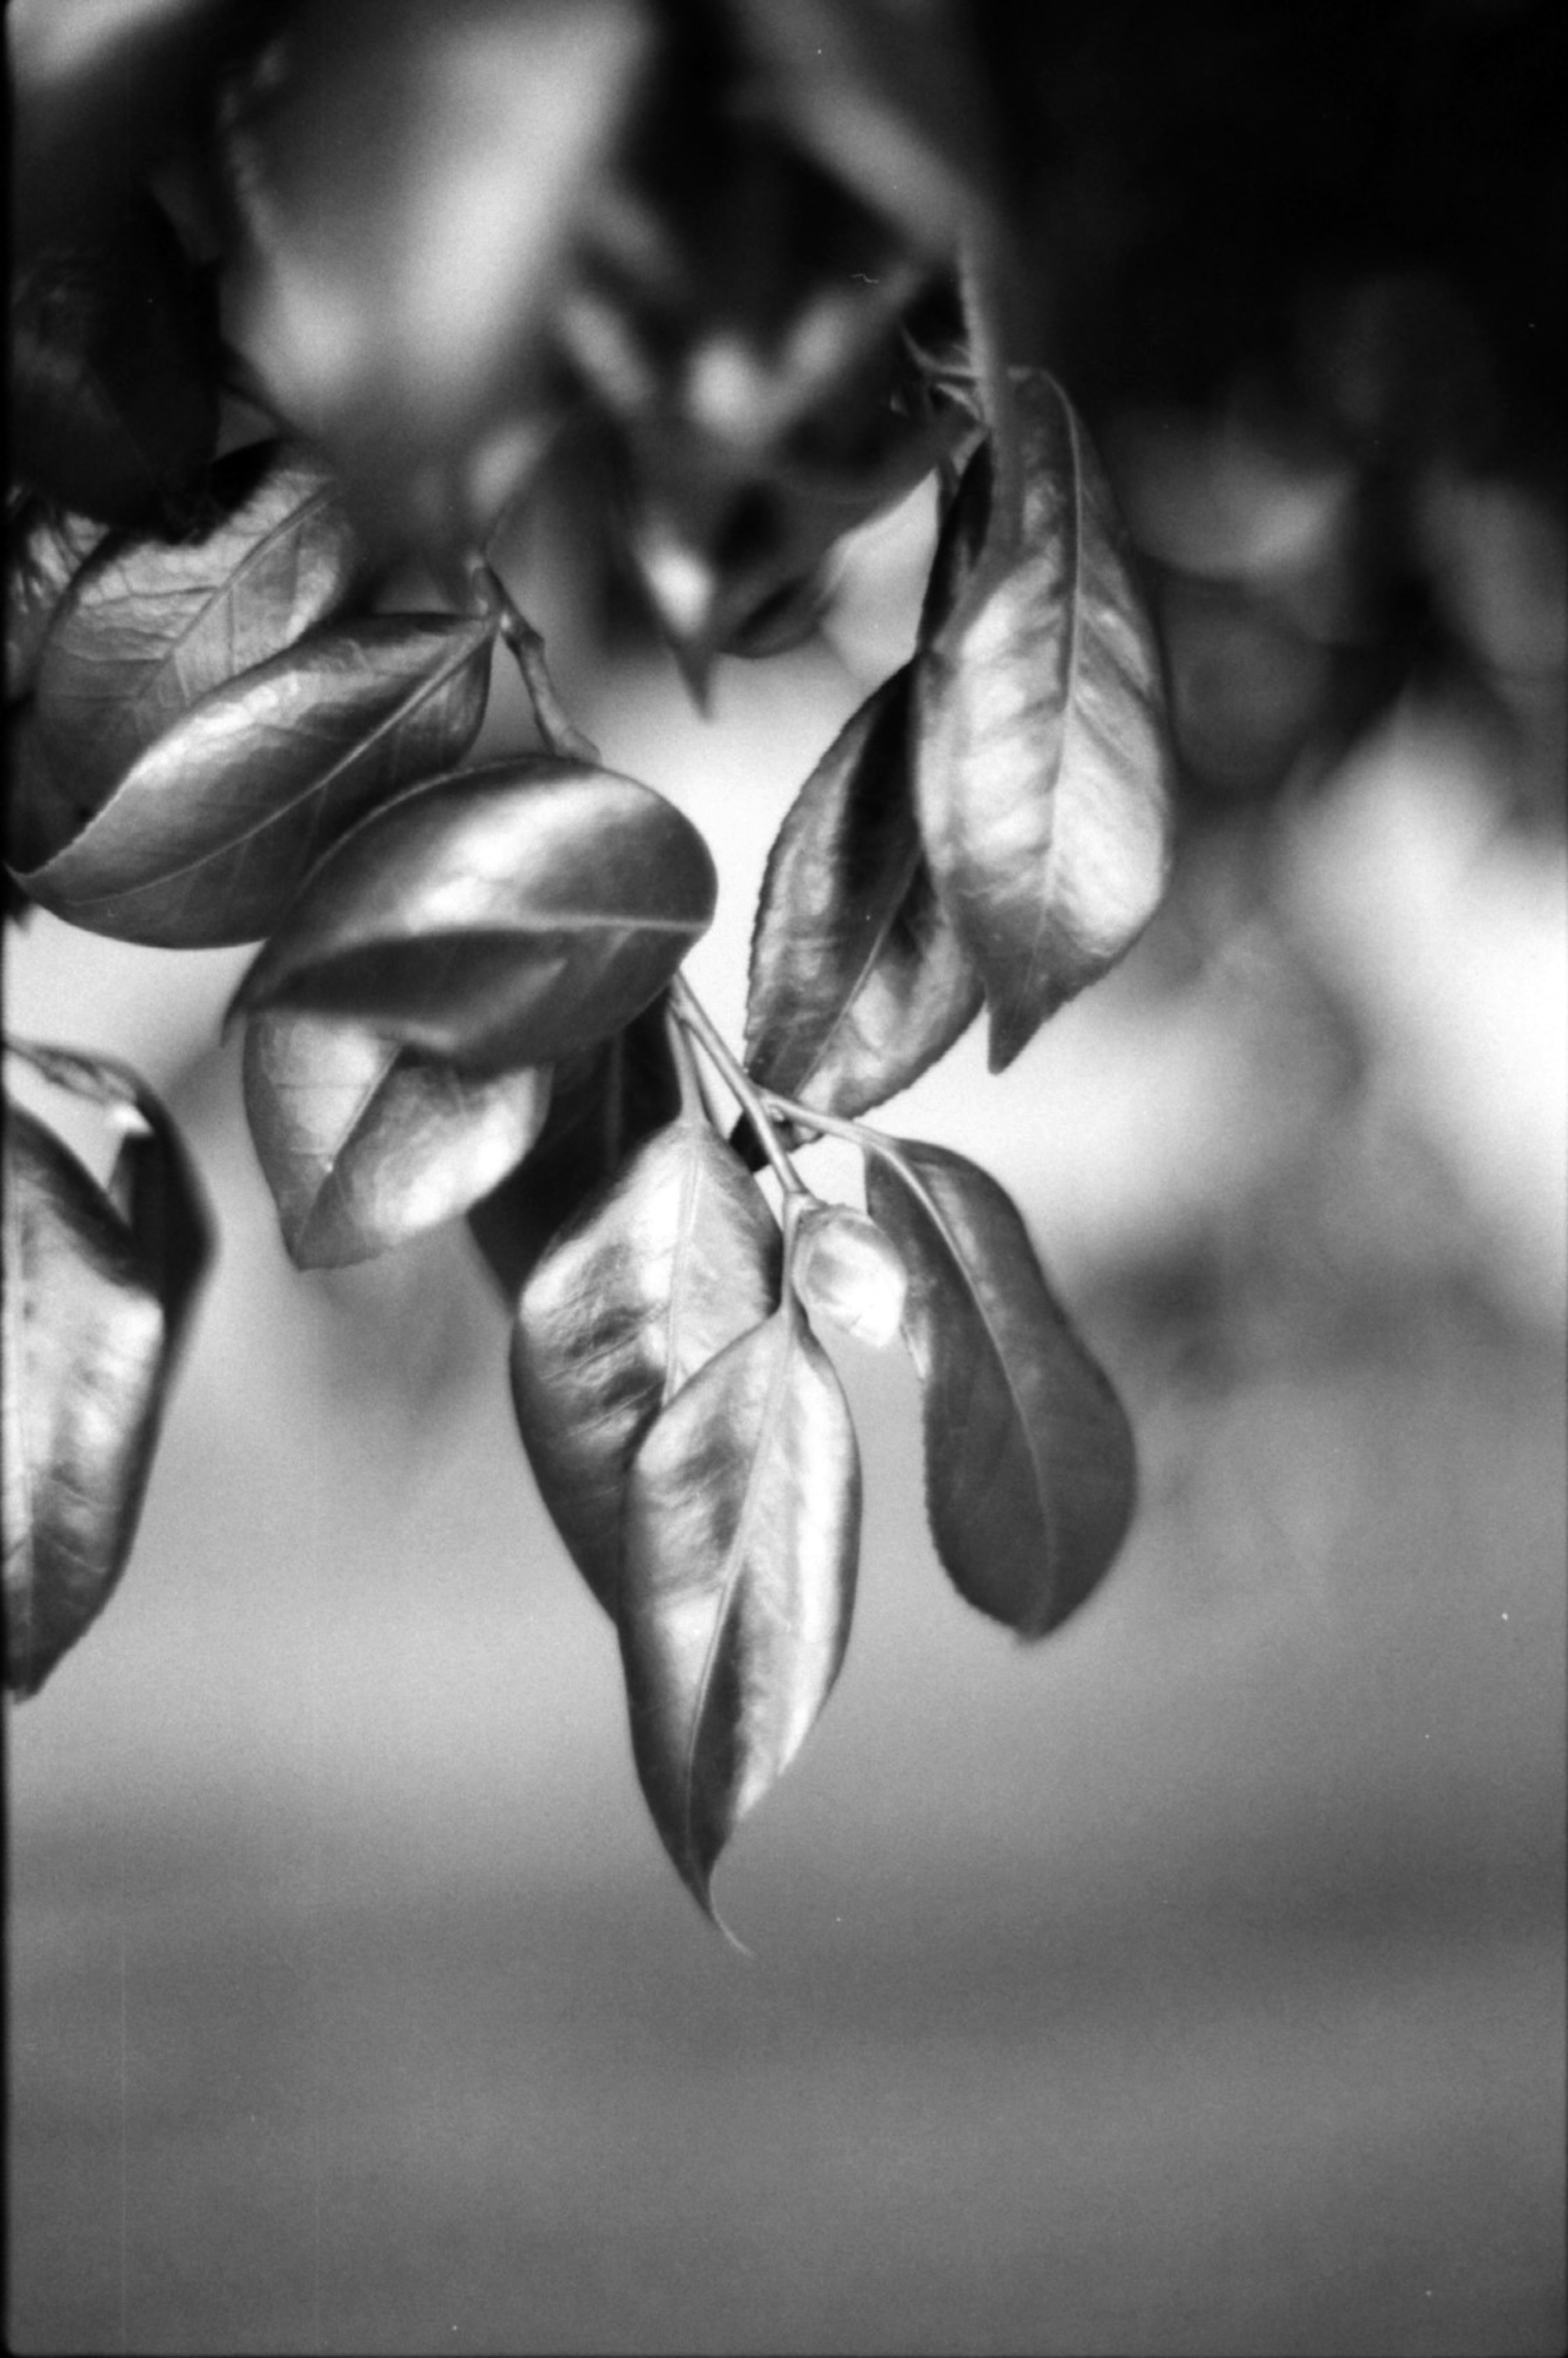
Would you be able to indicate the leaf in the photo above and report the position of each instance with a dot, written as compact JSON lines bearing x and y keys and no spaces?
{"x":97,"y":1292}
{"x":46,"y":548}
{"x":113,"y":372}
{"x":365,"y":1144}
{"x":844,"y":1270}
{"x":151,"y":627}
{"x":1029,"y":1458}
{"x":674,"y":1260}
{"x":741,"y":1538}
{"x":858,"y":979}
{"x":604,"y":1103}
{"x":505,"y":916}
{"x":1042,"y":773}
{"x":214,"y":828}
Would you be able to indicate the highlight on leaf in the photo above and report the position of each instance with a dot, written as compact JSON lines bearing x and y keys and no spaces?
{"x":845,"y":1269}
{"x":508,"y":915}
{"x":742,"y":1541}
{"x":674,"y":1260}
{"x":1042,"y":770}
{"x":859,"y":980}
{"x":365,"y":1144}
{"x":99,"y":1285}
{"x":211,"y":834}
{"x":1029,"y":1457}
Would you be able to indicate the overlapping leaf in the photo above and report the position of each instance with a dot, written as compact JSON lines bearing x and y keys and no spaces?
{"x":859,"y":980}
{"x":741,"y":1536}
{"x":604,"y":1103}
{"x":46,"y":548}
{"x":674,"y":1261}
{"x":365,"y":1144}
{"x":845,"y":1269}
{"x":1029,"y":1461}
{"x":210,"y":834}
{"x":1041,"y":770}
{"x":98,"y":1286}
{"x":507,"y":915}
{"x":150,"y":627}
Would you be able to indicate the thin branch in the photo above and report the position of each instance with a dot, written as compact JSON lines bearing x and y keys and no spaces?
{"x":550,"y":714}
{"x":692,"y":1013}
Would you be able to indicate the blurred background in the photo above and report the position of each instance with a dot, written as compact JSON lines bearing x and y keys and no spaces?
{"x":1193,"y":1982}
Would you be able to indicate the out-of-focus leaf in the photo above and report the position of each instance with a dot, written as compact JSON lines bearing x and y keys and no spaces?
{"x":365,"y":1144}
{"x":151,"y":627}
{"x":845,"y":1269}
{"x":98,"y":1285}
{"x":411,"y":180}
{"x":113,"y":373}
{"x":46,"y":548}
{"x":1029,"y":1458}
{"x":212,"y":832}
{"x":604,"y":1103}
{"x":507,"y":915}
{"x":742,"y":1540}
{"x":883,"y":92}
{"x":676,"y":1260}
{"x":859,"y":980}
{"x":1042,"y":765}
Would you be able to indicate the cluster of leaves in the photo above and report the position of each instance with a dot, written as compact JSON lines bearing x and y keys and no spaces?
{"x":468,"y":995}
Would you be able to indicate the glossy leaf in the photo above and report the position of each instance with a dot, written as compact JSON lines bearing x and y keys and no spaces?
{"x":1042,"y":770}
{"x":150,"y":627}
{"x":213,"y":831}
{"x":678,"y":1258}
{"x":1029,"y":1459}
{"x":113,"y":372}
{"x":98,"y":1287}
{"x":507,"y":915}
{"x":845,"y":1269}
{"x":604,"y":1103}
{"x":741,"y":1539}
{"x":859,"y":980}
{"x":46,"y":548}
{"x":365,"y":1144}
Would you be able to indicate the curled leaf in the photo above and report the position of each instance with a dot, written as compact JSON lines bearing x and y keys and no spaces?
{"x":859,"y":980}
{"x":98,"y":1287}
{"x":674,"y":1260}
{"x":211,"y":833}
{"x":365,"y":1144}
{"x":844,"y":1270}
{"x":604,"y":1102}
{"x":151,"y":626}
{"x":1029,"y":1459}
{"x":741,"y":1538}
{"x":507,"y":915}
{"x":1042,"y":766}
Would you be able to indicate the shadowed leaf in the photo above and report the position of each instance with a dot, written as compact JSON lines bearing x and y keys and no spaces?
{"x":675,"y":1260}
{"x":858,"y":981}
{"x":1029,"y":1461}
{"x":741,"y":1539}
{"x":98,"y":1285}
{"x":1042,"y":766}
{"x":604,"y":1103}
{"x":212,"y":832}
{"x":365,"y":1144}
{"x":507,"y":915}
{"x":46,"y":548}
{"x":150,"y":627}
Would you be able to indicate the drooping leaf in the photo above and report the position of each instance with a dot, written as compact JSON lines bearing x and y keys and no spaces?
{"x":1029,"y":1457}
{"x":845,"y":1269}
{"x":98,"y":1285}
{"x":604,"y":1103}
{"x":678,"y":1258}
{"x":859,"y":980}
{"x":46,"y":548}
{"x":742,"y":1540}
{"x":150,"y":627}
{"x":210,"y":834}
{"x":1042,"y":763}
{"x":505,"y":916}
{"x":113,"y":372}
{"x":365,"y":1144}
